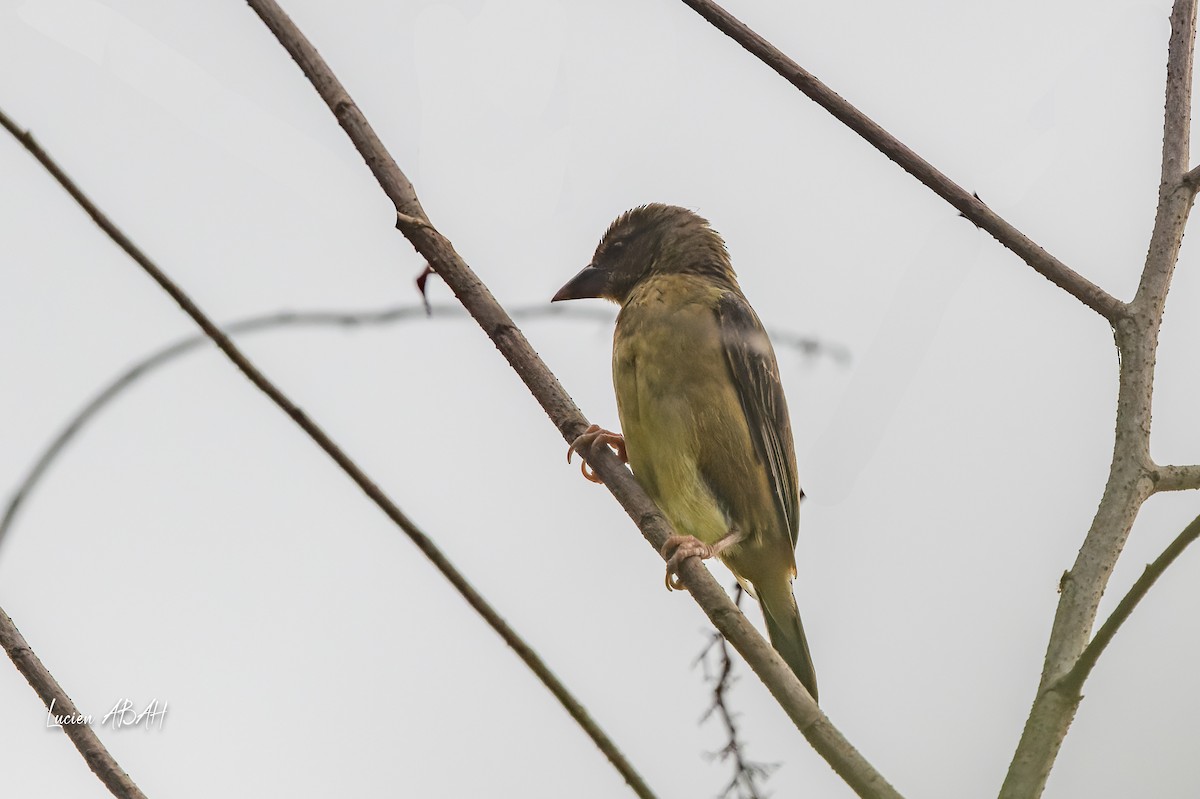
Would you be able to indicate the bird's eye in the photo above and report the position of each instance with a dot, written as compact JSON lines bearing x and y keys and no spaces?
{"x":617,"y":245}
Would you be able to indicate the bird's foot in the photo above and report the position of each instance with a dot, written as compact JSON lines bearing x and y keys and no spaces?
{"x":678,"y":549}
{"x":596,"y":436}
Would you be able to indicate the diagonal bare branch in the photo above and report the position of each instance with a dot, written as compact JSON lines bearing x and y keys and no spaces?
{"x":470,"y":290}
{"x":1087,"y":661}
{"x":523,"y":650}
{"x":55,"y":698}
{"x":967,"y":204}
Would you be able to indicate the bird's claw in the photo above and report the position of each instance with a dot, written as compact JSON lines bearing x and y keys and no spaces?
{"x":679,"y":548}
{"x":591,"y":438}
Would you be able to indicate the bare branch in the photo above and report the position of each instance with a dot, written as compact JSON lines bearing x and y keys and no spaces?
{"x":968,"y":205}
{"x":1104,"y":636}
{"x":1176,"y":478}
{"x":1175,"y":194}
{"x":1131,"y":474}
{"x":368,"y":486}
{"x":55,"y":698}
{"x":437,"y":250}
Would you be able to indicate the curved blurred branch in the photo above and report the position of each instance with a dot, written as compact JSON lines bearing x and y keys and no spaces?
{"x":967,"y":204}
{"x":52,"y":694}
{"x":431,"y":551}
{"x":412,"y":221}
{"x":283,"y":319}
{"x":163,"y":356}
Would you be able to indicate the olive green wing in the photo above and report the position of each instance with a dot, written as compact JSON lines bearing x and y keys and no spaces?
{"x":755,"y":373}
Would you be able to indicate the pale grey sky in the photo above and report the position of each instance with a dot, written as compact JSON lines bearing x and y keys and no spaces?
{"x":194,"y":547}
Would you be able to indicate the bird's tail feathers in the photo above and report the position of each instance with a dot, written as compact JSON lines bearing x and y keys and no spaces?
{"x":787,"y":632}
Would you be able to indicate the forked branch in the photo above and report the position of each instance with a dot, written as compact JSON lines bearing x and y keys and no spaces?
{"x":1087,"y":661}
{"x":1132,"y":475}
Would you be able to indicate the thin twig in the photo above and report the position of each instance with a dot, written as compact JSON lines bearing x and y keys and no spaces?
{"x":747,"y":774}
{"x":368,"y":486}
{"x":347,"y":319}
{"x":967,"y":204}
{"x":1104,"y":636}
{"x":103,"y":764}
{"x":1176,"y":478}
{"x":499,"y":326}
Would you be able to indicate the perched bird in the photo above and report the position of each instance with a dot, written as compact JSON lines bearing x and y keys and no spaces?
{"x":705,"y":422}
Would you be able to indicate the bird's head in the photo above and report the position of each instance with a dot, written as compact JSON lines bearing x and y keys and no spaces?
{"x":650,"y":240}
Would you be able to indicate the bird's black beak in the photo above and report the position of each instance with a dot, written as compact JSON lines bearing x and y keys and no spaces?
{"x":589,"y":283}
